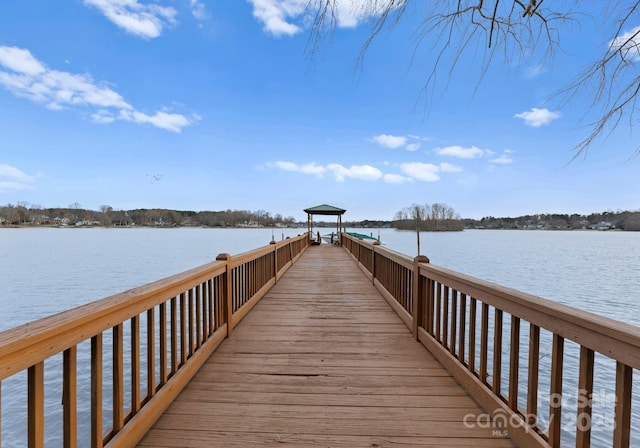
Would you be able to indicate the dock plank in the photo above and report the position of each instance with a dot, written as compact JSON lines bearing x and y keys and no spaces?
{"x":322,"y":360}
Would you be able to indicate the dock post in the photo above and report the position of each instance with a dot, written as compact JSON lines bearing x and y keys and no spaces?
{"x":373,"y":264}
{"x":418,"y":300}
{"x":228,"y":292}
{"x":275,"y":259}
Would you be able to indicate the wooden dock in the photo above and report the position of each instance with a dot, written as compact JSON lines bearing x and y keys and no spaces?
{"x":322,"y":360}
{"x":340,"y":346}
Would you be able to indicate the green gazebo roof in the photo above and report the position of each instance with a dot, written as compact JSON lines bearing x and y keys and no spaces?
{"x":324,"y":209}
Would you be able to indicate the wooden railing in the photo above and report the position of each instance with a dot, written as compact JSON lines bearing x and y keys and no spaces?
{"x":510,"y":350}
{"x":173,"y":325}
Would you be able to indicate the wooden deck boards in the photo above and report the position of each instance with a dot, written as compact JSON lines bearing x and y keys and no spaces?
{"x":321,"y":361}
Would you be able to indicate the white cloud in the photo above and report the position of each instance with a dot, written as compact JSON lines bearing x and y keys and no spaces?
{"x":361,"y":172}
{"x":14,"y":186}
{"x":161,"y":119}
{"x":312,"y":168}
{"x":449,"y":168}
{"x":504,"y":159}
{"x":398,"y":141}
{"x":29,"y":78}
{"x":13,"y":173}
{"x":351,"y":12}
{"x":14,"y":179}
{"x":629,"y":44}
{"x":198,"y":10}
{"x":538,"y":117}
{"x":285,"y":166}
{"x":396,"y":179}
{"x":140,"y":19}
{"x":309,"y":168}
{"x":390,"y":141}
{"x":461,"y":152}
{"x":340,"y":172}
{"x":274,"y":15}
{"x":278,"y":16}
{"x":102,"y":116}
{"x":20,"y":61}
{"x":426,"y":172}
{"x":535,"y":71}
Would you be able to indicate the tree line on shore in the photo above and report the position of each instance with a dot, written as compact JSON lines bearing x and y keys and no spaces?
{"x":429,"y":217}
{"x":24,"y":214}
{"x":607,"y":220}
{"x":424,"y":217}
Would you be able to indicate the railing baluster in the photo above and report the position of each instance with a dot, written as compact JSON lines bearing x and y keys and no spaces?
{"x":69,"y":398}
{"x":532,"y":381}
{"x":135,"y":364}
{"x":206,"y":293}
{"x":484,"y":343}
{"x":463,"y":327}
{"x":454,"y":323}
{"x":624,"y":385}
{"x":514,"y":363}
{"x":555,"y":394}
{"x":183,"y":329}
{"x":472,"y":334}
{"x":445,"y":316}
{"x":497,"y":351}
{"x":118,"y":378}
{"x":151,"y":353}
{"x":219,"y":300}
{"x":234,"y":292}
{"x":210,"y":307}
{"x":174,"y":335}
{"x":438,"y":300}
{"x":190,"y":323}
{"x":163,"y":343}
{"x":199,"y":325}
{"x":96,"y":391}
{"x":585,"y":394}
{"x":35,"y":422}
{"x":430,"y":305}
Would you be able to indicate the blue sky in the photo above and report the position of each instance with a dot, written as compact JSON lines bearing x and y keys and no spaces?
{"x":202,"y":105}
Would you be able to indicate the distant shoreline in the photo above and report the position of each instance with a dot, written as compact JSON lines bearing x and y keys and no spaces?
{"x":31,"y":226}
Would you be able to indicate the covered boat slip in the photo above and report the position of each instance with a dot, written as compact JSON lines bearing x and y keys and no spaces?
{"x":324,"y":210}
{"x":322,"y":360}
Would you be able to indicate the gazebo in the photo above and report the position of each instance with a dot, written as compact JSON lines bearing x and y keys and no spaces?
{"x":327,"y":210}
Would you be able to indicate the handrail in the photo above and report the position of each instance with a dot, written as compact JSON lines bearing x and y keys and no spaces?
{"x":184,"y":318}
{"x":464,"y":322}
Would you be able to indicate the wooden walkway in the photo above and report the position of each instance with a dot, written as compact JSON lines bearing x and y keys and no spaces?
{"x":321,"y":361}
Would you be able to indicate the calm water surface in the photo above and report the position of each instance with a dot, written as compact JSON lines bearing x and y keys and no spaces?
{"x":46,"y":271}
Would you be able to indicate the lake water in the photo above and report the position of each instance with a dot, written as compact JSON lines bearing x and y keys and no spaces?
{"x":48,"y":270}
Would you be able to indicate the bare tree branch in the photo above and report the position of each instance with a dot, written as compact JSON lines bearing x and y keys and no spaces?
{"x":517,"y":30}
